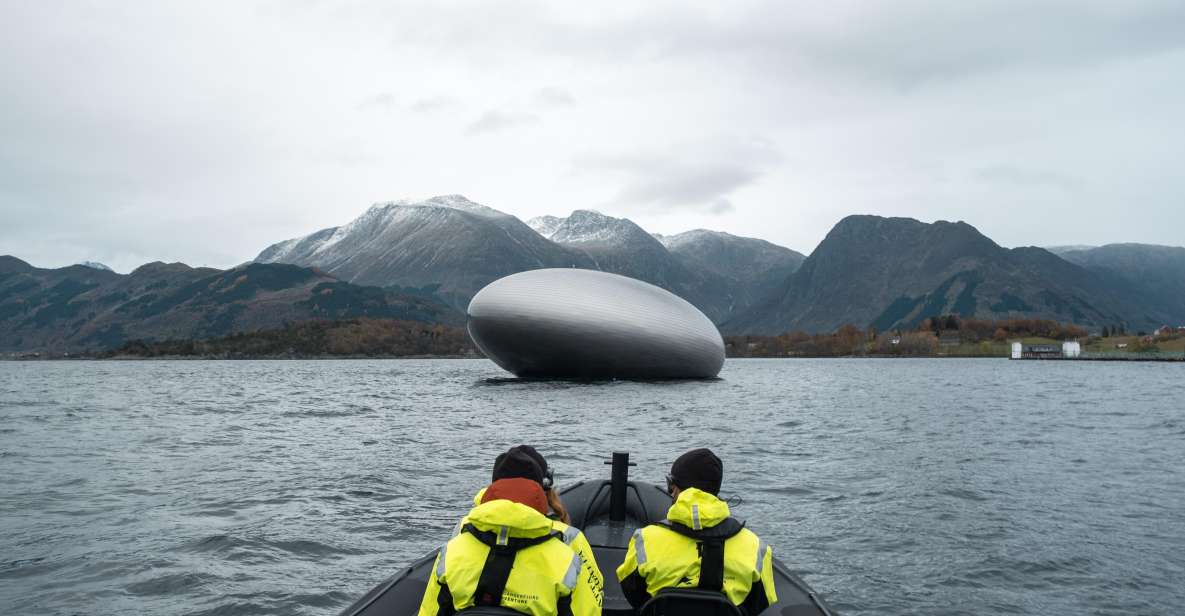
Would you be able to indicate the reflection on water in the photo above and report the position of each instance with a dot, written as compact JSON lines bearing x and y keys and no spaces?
{"x":895,"y":487}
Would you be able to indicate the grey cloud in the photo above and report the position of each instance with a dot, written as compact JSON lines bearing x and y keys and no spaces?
{"x":902,"y":43}
{"x":678,"y":183}
{"x":1026,"y":177}
{"x":918,"y":42}
{"x":389,"y":102}
{"x":433,"y":104}
{"x":721,"y":206}
{"x":207,"y":132}
{"x":697,"y":177}
{"x":554,"y":97}
{"x":496,"y":120}
{"x":384,"y":101}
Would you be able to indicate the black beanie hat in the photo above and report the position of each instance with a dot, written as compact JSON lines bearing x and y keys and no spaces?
{"x":517,"y":464}
{"x":698,"y":468}
{"x":530,"y":451}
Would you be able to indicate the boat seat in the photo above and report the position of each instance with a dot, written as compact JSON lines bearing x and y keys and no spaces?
{"x":689,"y":602}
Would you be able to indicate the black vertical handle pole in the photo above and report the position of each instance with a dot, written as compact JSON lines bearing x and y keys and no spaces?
{"x":618,"y":480}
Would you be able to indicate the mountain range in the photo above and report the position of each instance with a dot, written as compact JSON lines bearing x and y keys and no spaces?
{"x":453,"y":247}
{"x":424,"y":260}
{"x":447,"y":245}
{"x":83,"y":308}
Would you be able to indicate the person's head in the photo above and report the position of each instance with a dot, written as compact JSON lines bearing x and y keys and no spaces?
{"x":546,"y":481}
{"x":518,"y":478}
{"x":517,"y":464}
{"x":540,"y":461}
{"x":698,"y":468}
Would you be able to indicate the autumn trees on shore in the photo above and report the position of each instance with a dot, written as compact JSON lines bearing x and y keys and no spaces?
{"x":928,"y":339}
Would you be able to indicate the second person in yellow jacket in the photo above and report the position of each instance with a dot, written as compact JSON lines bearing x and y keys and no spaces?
{"x":699,"y":545}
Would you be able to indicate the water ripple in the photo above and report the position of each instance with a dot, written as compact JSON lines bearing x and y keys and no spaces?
{"x":910,"y":487}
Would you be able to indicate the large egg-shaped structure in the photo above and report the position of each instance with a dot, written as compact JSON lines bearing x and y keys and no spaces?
{"x":576,"y":323}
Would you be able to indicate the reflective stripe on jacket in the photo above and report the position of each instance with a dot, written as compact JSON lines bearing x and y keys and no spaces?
{"x":546,"y":579}
{"x":664,"y":558}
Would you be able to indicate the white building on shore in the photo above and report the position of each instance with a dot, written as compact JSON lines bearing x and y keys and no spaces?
{"x":1071,"y":349}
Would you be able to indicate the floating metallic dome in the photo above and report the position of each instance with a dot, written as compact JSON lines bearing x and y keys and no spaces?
{"x":579,"y":323}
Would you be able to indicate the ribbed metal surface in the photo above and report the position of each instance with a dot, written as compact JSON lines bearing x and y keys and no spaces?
{"x":584,"y":323}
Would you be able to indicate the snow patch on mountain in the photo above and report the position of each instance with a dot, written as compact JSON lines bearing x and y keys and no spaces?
{"x":369,"y":225}
{"x":545,"y":225}
{"x":455,"y":202}
{"x":1061,"y":250}
{"x":297,"y":247}
{"x":679,"y":240}
{"x":95,"y":265}
{"x":592,"y":227}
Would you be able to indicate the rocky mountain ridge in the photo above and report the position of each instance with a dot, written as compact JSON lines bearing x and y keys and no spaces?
{"x":455,"y":246}
{"x":1156,"y":273}
{"x":446,"y":243}
{"x":79,"y":308}
{"x":891,"y":273}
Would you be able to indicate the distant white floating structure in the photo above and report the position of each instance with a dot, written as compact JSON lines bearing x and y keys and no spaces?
{"x":576,"y":323}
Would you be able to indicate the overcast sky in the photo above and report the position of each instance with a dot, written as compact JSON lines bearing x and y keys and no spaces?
{"x":204,"y":131}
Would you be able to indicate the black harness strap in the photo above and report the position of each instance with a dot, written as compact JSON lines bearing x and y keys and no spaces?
{"x":494,"y":574}
{"x":500,"y":560}
{"x":711,"y":567}
{"x":444,"y":602}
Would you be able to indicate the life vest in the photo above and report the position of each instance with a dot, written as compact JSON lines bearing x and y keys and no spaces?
{"x":508,"y":556}
{"x":491,"y":584}
{"x":711,"y":543}
{"x":701,"y":546}
{"x":571,"y":536}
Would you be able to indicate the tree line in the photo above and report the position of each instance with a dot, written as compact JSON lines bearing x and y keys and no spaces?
{"x":925,"y":340}
{"x":353,"y":337}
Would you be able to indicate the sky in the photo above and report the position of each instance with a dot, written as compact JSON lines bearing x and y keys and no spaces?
{"x":133,"y":132}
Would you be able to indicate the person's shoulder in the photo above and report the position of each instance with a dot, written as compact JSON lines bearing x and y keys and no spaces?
{"x":748,"y":532}
{"x":461,"y":543}
{"x":559,"y":552}
{"x":660,"y":528}
{"x":750,"y":538}
{"x":566,"y":532}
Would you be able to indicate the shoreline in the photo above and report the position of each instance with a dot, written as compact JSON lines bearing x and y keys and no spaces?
{"x":1113,"y":359}
{"x":234,"y":358}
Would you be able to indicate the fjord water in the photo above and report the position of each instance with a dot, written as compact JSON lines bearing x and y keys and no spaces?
{"x":893,"y":486}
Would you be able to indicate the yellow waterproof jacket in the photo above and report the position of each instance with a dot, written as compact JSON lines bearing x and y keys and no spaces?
{"x":547,"y":577}
{"x":659,"y":557}
{"x":571,"y":536}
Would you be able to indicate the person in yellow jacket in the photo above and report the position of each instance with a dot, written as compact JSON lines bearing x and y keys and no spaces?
{"x":507,"y":555}
{"x":699,"y":545}
{"x":570,"y":534}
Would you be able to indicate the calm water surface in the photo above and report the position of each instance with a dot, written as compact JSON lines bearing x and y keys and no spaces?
{"x":893,"y":486}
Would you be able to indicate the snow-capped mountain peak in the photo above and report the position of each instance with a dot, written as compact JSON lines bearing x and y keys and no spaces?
{"x":448,"y":242}
{"x":592,"y":227}
{"x":455,"y":202}
{"x":690,"y":237}
{"x":370,"y":224}
{"x":545,"y":225}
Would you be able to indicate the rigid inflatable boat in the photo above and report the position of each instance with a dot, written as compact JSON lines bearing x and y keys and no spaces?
{"x":608,"y":511}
